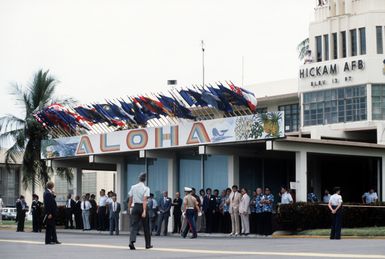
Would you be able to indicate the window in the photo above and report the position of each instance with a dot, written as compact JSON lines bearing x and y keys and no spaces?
{"x":380,"y":47}
{"x":318,"y":41}
{"x":378,"y":102}
{"x":335,"y":46}
{"x":362,"y":41}
{"x":335,"y":105}
{"x":291,"y":116}
{"x":343,"y":43}
{"x":326,"y":44}
{"x":353,"y":42}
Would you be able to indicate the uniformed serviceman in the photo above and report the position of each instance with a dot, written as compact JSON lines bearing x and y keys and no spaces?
{"x":190,"y":206}
{"x":138,"y":196}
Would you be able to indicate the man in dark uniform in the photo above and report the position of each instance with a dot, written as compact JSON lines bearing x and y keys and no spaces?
{"x":78,"y":213}
{"x":21,"y":209}
{"x":36,"y":213}
{"x":50,"y":208}
{"x":177,"y":213}
{"x":209,"y":207}
{"x":138,"y":195}
{"x":93,"y":213}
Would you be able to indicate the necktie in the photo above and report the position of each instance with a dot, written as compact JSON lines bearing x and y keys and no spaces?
{"x":114,"y":206}
{"x":84,"y":205}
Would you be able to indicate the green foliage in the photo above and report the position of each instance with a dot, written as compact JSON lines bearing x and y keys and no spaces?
{"x":26,"y":133}
{"x":302,"y":48}
{"x":302,"y":216}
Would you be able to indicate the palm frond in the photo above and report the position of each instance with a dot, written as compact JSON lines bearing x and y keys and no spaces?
{"x":302,"y":48}
{"x":65,"y":173}
{"x":10,"y":122}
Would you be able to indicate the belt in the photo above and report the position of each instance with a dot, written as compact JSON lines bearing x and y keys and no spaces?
{"x":190,"y":208}
{"x":138,"y":204}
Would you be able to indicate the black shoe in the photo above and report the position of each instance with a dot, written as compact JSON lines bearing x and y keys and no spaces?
{"x":50,"y":243}
{"x":131,"y":246}
{"x":157,"y":235}
{"x":183,"y":236}
{"x":193,"y":237}
{"x":149,"y":247}
{"x":57,"y":242}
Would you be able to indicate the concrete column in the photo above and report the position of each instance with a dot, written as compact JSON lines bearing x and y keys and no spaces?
{"x":301,"y":175}
{"x":79,"y":181}
{"x":233,"y":170}
{"x":382,"y":179}
{"x":172,"y":187}
{"x":369,"y":107}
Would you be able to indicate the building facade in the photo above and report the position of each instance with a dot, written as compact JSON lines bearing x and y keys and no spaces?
{"x":334,"y":124}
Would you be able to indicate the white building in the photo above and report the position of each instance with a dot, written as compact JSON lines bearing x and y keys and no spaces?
{"x":334,"y":125}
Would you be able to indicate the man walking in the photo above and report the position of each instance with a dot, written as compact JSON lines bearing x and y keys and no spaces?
{"x":190,"y":207}
{"x":114,"y":209}
{"x":70,"y":206}
{"x":138,"y":196}
{"x":36,"y":213}
{"x":50,"y":209}
{"x":177,"y":213}
{"x":164,"y":213}
{"x":234,"y":200}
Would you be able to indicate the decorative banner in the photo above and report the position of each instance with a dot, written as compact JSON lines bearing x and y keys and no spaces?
{"x":233,"y":129}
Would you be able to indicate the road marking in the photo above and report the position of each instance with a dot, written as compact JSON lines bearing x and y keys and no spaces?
{"x":201,"y":251}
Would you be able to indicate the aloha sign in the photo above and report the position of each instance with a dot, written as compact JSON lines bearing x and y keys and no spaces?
{"x":233,"y":129}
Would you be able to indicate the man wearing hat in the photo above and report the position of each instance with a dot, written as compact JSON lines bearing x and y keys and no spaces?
{"x":138,"y":195}
{"x":190,"y":204}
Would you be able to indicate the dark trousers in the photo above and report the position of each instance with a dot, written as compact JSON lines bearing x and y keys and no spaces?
{"x":102,"y":218}
{"x":253,"y":223}
{"x":114,"y":224}
{"x":50,"y":232}
{"x":78,"y":220}
{"x":36,"y":222}
{"x":162,"y":217}
{"x":209,"y":215}
{"x":177,"y":222}
{"x":93,"y":219}
{"x":190,"y":216}
{"x":153,"y":226}
{"x":136,"y":218}
{"x":259,"y":223}
{"x":335,"y":232}
{"x":68,"y":218}
{"x":267,"y":228}
{"x":20,"y":221}
{"x":226,"y":222}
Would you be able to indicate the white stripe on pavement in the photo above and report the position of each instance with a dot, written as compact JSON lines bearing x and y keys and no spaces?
{"x":218,"y":252}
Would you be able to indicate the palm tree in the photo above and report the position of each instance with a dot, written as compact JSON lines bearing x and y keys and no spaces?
{"x":26,"y":133}
{"x":302,"y":48}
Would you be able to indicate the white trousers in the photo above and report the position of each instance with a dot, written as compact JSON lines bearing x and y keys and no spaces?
{"x":245,"y":223}
{"x":235,"y":221}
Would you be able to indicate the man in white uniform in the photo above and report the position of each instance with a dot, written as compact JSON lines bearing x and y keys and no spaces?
{"x":138,"y":196}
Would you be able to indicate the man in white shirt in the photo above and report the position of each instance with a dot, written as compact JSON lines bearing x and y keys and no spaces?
{"x":85,"y":206}
{"x":138,"y":196}
{"x":335,"y":207}
{"x":244,"y":212}
{"x":233,"y":202}
{"x":370,"y":197}
{"x":69,"y":210}
{"x":102,"y":210}
{"x":285,"y":196}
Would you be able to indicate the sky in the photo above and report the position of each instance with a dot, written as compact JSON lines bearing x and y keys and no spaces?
{"x":101,"y":49}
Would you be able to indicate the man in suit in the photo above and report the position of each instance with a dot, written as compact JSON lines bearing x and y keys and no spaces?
{"x":114,"y":209}
{"x":50,"y":209}
{"x":36,"y":213}
{"x":233,"y":201}
{"x":209,"y":206}
{"x":21,"y":209}
{"x":70,"y":206}
{"x":177,"y":213}
{"x":164,"y":213}
{"x":78,"y":213}
{"x":93,"y":212}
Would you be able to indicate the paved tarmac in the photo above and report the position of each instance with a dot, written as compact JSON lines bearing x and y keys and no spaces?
{"x":74,"y":245}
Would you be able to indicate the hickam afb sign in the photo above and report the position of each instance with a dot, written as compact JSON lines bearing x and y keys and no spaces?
{"x":234,"y":129}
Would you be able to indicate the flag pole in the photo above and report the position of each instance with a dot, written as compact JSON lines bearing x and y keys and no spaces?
{"x":203,"y":63}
